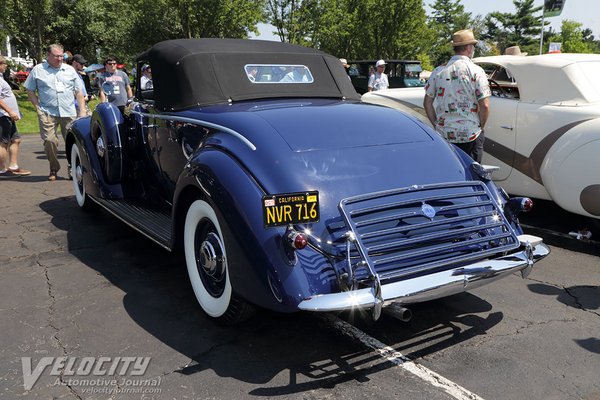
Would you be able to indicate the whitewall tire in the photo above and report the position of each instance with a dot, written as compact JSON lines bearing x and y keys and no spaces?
{"x":83,"y":200}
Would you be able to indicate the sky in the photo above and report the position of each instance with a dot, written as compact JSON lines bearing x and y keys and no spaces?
{"x":585,"y":11}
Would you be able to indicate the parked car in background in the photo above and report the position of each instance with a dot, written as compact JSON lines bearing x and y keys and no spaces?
{"x":401,"y":73}
{"x":286,"y":192}
{"x":21,"y":76}
{"x":544,"y":126}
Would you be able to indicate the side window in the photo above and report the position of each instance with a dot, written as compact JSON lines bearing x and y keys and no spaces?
{"x":144,"y":82}
{"x":502,"y":83}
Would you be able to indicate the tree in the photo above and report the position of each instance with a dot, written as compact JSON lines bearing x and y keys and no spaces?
{"x":27,"y":24}
{"x":292,"y":19}
{"x":96,"y":28}
{"x":448,"y":16}
{"x":520,"y":28}
{"x":571,"y":37}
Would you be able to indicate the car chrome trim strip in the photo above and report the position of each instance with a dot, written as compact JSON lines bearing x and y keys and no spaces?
{"x":409,"y":105}
{"x":198,"y":122}
{"x":432,"y":286}
{"x":529,"y":165}
{"x":120,"y":145}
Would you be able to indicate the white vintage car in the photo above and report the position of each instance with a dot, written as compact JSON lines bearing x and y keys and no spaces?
{"x":544,"y":126}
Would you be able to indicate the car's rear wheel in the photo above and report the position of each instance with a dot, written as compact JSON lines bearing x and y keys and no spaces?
{"x":205,"y":250}
{"x":83,"y":200}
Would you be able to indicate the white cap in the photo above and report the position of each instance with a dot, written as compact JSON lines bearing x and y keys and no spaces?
{"x":380,"y":62}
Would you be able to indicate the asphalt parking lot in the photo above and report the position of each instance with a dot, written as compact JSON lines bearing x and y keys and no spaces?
{"x":87,"y":288}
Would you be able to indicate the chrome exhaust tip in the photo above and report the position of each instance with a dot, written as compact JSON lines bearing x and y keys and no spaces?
{"x":398,"y":311}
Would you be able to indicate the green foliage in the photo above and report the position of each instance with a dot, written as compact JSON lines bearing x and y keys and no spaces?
{"x":123,"y":28}
{"x":520,"y":28}
{"x":448,"y":16}
{"x":353,"y":29}
{"x":571,"y":37}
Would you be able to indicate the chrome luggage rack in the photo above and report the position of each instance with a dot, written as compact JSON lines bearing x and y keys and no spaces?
{"x":413,"y":231}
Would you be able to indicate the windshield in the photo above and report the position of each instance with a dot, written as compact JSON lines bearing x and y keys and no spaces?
{"x":412,"y":75}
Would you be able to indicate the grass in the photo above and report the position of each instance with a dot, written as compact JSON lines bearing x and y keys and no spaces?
{"x":29,"y":123}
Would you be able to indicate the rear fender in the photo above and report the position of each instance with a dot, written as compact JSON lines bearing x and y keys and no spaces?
{"x":93,"y":179}
{"x":570,"y":169}
{"x":107,"y":125}
{"x":258,"y":268}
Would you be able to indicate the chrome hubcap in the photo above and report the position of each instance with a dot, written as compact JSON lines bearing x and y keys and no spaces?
{"x":79,"y":174}
{"x":100,"y":148}
{"x":211,"y":258}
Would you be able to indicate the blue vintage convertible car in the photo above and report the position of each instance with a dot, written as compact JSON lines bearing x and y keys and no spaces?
{"x":285,"y":192}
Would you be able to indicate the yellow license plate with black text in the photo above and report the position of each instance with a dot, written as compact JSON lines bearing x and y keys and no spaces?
{"x":290,"y":208}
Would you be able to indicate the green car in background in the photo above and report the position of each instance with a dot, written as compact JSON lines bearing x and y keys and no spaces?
{"x":401,"y":73}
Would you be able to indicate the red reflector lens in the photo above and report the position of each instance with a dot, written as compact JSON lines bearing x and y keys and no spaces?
{"x":526,"y":204}
{"x":300,"y":241}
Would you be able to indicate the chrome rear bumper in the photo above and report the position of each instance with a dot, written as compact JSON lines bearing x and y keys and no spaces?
{"x":432,"y":286}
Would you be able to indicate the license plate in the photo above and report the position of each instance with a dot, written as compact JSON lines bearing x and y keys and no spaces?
{"x":290,"y":208}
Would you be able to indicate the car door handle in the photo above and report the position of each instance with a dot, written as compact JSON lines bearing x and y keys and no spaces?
{"x":506,"y":127}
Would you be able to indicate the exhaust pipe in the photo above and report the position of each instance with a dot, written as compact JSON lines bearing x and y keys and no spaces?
{"x":398,"y":311}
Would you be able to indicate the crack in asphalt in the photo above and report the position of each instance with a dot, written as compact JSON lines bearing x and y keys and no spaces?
{"x":570,"y":293}
{"x":51,"y":324}
{"x":579,"y":304}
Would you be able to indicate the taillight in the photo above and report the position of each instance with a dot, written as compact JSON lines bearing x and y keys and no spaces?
{"x":297,"y":240}
{"x":519,"y":204}
{"x":292,"y":241}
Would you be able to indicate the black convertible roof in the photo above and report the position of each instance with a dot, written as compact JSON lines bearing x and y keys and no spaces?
{"x":198,"y":72}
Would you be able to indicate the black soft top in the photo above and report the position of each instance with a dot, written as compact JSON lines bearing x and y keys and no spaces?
{"x":199,"y":72}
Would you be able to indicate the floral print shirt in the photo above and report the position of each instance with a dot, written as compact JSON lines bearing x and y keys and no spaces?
{"x":457,"y":88}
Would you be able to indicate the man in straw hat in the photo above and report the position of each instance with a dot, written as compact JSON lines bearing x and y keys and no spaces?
{"x":514,"y":51}
{"x":457,"y":97}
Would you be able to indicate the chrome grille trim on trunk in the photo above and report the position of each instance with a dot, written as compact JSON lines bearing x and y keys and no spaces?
{"x":419,"y":229}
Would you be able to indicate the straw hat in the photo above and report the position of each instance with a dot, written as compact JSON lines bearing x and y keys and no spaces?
{"x":344,"y":62}
{"x":514,"y":51}
{"x":463,"y":37}
{"x":379,"y":63}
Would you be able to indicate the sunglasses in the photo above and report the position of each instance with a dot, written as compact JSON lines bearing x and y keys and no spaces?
{"x":111,"y":63}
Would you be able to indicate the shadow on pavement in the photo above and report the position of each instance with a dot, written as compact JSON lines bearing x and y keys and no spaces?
{"x":585,"y":298}
{"x":159,"y":298}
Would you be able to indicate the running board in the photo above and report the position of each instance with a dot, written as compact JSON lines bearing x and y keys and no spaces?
{"x":154,"y":224}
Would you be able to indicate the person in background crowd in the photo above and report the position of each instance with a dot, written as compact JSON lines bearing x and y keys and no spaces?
{"x":52,"y":87}
{"x":252,"y":71}
{"x":146,"y":79}
{"x":461,"y":92}
{"x":514,"y":51}
{"x":345,"y":64}
{"x":379,"y":80}
{"x":114,"y":84}
{"x":9,"y":137}
{"x":78,"y":63}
